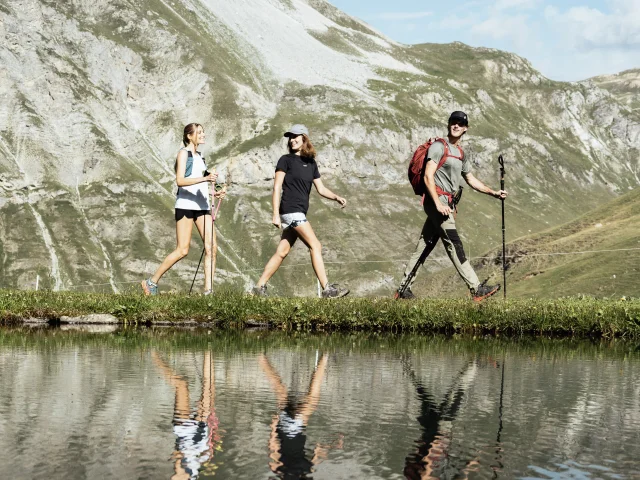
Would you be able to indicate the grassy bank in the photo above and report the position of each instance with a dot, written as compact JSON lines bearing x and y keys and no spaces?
{"x":569,"y":316}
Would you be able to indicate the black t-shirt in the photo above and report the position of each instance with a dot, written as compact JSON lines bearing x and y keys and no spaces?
{"x":300,"y":172}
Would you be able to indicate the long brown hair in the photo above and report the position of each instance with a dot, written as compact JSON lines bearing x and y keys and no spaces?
{"x":188,"y":130}
{"x":307,"y":149}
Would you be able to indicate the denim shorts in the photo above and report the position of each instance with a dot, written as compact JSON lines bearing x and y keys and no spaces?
{"x":292,"y":220}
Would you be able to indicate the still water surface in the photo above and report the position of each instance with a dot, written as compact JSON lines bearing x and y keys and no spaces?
{"x":202,"y":404}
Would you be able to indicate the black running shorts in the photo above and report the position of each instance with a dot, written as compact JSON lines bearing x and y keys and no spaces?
{"x":191,"y":214}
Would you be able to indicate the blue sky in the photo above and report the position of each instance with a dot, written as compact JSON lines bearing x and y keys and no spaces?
{"x":565,"y":40}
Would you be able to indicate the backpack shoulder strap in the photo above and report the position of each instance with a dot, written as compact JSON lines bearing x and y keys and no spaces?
{"x":189,"y":167}
{"x":445,"y":154}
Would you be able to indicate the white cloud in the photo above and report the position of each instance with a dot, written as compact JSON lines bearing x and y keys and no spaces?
{"x":499,"y":27}
{"x":519,"y":4}
{"x":588,"y":28}
{"x":403,"y":15}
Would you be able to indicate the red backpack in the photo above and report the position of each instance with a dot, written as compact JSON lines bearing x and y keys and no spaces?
{"x":417,"y":166}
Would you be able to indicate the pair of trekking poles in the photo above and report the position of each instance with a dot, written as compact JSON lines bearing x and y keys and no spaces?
{"x":214,"y":214}
{"x":430,"y":243}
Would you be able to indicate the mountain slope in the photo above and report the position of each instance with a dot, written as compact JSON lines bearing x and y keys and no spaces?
{"x":624,"y":86}
{"x":95,"y":95}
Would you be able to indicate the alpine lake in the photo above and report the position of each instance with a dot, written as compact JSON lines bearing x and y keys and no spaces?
{"x":151,"y":403}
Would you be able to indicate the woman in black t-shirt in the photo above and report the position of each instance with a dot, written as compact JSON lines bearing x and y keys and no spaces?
{"x":295,"y":174}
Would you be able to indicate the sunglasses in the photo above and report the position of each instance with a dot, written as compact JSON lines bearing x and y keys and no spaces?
{"x":459,"y":123}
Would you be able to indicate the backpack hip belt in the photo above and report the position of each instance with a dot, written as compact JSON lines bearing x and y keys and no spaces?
{"x":449,"y":195}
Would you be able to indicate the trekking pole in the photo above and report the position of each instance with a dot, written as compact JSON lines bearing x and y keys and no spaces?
{"x":198,"y":268}
{"x":213,"y":217}
{"x":499,"y":449}
{"x":504,"y":248}
{"x":214,"y":214}
{"x":429,"y":246}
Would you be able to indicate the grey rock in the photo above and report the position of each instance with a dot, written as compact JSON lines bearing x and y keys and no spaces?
{"x":92,"y":319}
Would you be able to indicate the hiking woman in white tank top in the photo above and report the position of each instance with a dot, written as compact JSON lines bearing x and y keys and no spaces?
{"x":192,"y":206}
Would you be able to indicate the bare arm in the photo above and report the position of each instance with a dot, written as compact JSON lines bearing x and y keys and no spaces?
{"x":478,"y":186}
{"x":326,"y":193}
{"x":181,"y":167}
{"x":430,"y":182}
{"x":275,"y":197}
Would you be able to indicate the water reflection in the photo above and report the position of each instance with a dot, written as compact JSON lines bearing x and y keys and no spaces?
{"x":197,"y":435}
{"x":287,"y":442}
{"x":159,"y":403}
{"x":436,"y":422}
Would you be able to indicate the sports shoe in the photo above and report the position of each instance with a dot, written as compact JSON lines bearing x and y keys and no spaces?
{"x":484,"y":291}
{"x":149,"y":287}
{"x":259,"y":291}
{"x":334,"y":291}
{"x":207,"y":293}
{"x":407,"y":295}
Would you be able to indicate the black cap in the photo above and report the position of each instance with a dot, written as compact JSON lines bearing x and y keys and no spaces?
{"x":459,"y":117}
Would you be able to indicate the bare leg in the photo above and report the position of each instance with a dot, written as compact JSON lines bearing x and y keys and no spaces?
{"x":207,"y":232}
{"x":289,"y":237}
{"x":184,"y":226}
{"x":308,"y":236}
{"x":207,"y":400}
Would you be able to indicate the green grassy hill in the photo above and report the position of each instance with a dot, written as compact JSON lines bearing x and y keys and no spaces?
{"x":549,"y":265}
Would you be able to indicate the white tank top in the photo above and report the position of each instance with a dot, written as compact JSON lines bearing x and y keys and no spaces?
{"x":194,"y":197}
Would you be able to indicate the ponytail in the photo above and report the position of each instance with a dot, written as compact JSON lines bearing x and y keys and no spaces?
{"x":188,"y":130}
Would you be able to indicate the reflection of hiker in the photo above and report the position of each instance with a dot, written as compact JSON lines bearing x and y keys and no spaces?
{"x":289,"y":458}
{"x":192,"y":206}
{"x":436,"y":426}
{"x":197,"y":436}
{"x":445,"y":166}
{"x":296,"y":172}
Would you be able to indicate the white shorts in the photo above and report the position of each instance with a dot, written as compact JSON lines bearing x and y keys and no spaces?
{"x":292,"y":220}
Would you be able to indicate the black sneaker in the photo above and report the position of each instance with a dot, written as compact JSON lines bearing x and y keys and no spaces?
{"x":259,"y":291}
{"x":334,"y":291}
{"x":484,"y":291}
{"x":406,"y":295}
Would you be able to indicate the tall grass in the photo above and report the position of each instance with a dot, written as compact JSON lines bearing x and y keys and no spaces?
{"x":579,"y":316}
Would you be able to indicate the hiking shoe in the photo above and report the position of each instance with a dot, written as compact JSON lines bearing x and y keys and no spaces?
{"x":207,"y":293}
{"x":406,"y":295}
{"x":148,"y":287}
{"x":334,"y":291}
{"x":259,"y":291}
{"x":484,"y":291}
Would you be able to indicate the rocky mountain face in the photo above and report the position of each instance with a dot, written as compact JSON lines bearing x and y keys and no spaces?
{"x":94,"y":96}
{"x":625,"y":86}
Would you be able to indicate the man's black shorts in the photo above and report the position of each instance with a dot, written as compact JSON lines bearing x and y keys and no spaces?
{"x":191,"y":214}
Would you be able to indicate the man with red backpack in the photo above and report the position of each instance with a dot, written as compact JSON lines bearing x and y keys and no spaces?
{"x":435,"y":172}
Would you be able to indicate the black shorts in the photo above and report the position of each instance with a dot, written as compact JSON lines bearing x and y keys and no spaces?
{"x":191,"y":214}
